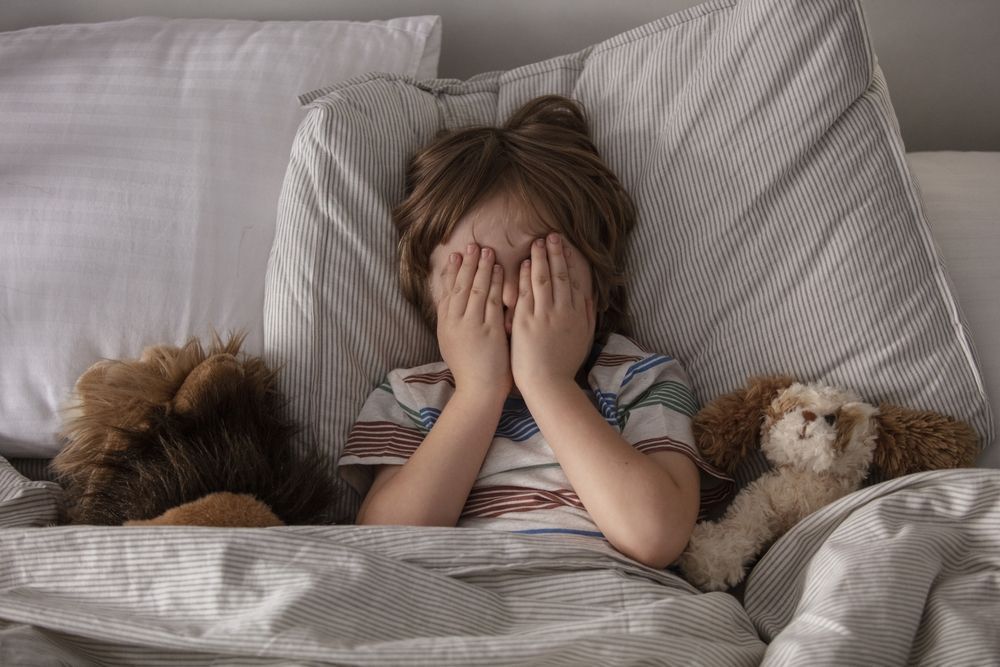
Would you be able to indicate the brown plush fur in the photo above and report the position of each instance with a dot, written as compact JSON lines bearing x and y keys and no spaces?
{"x":913,"y":440}
{"x":177,"y":424}
{"x":223,"y":510}
{"x":728,"y":428}
{"x":822,"y":443}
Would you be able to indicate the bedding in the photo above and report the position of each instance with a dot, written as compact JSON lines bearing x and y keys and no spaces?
{"x":141,"y":164}
{"x":904,"y":572}
{"x":779,"y":228}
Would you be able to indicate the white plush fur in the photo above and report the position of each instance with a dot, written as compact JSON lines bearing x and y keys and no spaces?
{"x":815,"y":462}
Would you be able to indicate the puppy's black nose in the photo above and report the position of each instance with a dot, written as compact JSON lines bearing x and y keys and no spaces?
{"x":830,"y":419}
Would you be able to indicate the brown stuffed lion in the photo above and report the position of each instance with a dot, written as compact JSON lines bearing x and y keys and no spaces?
{"x":185,"y":435}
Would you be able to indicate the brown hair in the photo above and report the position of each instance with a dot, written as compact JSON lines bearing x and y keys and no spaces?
{"x":542,"y":157}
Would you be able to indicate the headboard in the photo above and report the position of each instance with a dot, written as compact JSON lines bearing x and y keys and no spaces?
{"x":940,"y":58}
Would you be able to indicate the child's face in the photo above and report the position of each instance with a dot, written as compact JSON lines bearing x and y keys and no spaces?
{"x":507,"y":229}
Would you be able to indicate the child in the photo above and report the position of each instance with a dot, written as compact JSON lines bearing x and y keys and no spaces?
{"x":511,"y":243}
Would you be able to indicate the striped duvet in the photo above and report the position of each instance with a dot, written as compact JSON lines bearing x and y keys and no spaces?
{"x":903,"y":572}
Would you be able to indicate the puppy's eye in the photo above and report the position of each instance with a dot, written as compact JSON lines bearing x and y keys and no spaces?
{"x":830,"y":419}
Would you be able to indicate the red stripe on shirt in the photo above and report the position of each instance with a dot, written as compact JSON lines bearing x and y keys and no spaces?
{"x":615,"y":359}
{"x":371,"y":439}
{"x":431,"y":378}
{"x":494,"y":501}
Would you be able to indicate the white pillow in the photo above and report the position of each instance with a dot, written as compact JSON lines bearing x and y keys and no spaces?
{"x":140,"y":170}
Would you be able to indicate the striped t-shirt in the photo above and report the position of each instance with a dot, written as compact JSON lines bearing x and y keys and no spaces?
{"x":521,"y":487}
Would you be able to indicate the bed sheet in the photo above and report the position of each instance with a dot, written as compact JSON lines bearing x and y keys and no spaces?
{"x":907,"y":571}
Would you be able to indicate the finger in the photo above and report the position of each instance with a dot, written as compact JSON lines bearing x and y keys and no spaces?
{"x":494,"y":303}
{"x":525,"y":296}
{"x":591,"y":315}
{"x":573,"y":270}
{"x":481,"y":285}
{"x":541,"y":279}
{"x":463,"y":281}
{"x":575,"y":274}
{"x":448,"y":275}
{"x":562,"y":293}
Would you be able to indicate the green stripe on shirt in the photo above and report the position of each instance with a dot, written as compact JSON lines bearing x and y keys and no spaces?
{"x":670,"y":394}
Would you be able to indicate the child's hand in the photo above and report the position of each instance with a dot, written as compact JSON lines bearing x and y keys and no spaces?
{"x":470,"y":323}
{"x":554,"y":316}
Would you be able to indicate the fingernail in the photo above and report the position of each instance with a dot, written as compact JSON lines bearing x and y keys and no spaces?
{"x":454,"y":257}
{"x":553,"y":238}
{"x":540,"y":243}
{"x":526,"y":263}
{"x":471,"y":248}
{"x":496,"y":269}
{"x":487,"y":253}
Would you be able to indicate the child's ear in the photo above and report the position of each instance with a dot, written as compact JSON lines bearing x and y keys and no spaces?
{"x":915,"y":440}
{"x":728,"y":428}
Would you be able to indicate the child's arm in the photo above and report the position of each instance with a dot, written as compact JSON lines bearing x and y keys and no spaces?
{"x":646,"y":505}
{"x":431,"y":488}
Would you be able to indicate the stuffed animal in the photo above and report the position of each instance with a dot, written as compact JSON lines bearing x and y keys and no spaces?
{"x":186,"y":436}
{"x":822,"y":443}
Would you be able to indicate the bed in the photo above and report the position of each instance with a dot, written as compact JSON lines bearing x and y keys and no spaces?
{"x":125,"y":224}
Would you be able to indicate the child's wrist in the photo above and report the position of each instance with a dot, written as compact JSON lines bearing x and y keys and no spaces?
{"x":546,"y":385}
{"x":480,"y":397}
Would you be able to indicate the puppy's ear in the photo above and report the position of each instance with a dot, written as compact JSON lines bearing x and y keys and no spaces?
{"x":914,"y":440}
{"x":728,"y":428}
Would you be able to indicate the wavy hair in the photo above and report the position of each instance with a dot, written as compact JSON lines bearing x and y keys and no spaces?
{"x":541,"y":158}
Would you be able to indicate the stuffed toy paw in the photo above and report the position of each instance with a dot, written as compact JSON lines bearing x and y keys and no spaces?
{"x":221,"y":510}
{"x":821,"y":442}
{"x":185,"y":425}
{"x":710,"y":562}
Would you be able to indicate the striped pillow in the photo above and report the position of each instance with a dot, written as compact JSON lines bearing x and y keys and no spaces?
{"x":779,"y":227}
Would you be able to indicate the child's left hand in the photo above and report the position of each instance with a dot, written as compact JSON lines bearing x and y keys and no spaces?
{"x":554,"y":318}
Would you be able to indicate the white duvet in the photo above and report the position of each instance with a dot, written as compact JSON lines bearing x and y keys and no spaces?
{"x":904,"y":572}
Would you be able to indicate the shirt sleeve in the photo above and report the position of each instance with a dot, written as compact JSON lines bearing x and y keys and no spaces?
{"x":387,"y":432}
{"x":655,"y":407}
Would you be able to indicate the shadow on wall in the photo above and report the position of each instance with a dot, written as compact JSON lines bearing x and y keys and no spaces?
{"x":940,"y":58}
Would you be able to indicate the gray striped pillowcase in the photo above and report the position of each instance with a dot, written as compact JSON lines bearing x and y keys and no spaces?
{"x":780,"y":228}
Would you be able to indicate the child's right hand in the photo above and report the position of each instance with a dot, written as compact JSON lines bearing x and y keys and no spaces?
{"x":470,"y":323}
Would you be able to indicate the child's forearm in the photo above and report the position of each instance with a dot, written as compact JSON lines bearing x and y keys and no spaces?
{"x":431,"y":488}
{"x":638,"y":504}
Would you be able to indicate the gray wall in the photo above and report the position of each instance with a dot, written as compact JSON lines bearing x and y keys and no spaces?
{"x":940,"y":57}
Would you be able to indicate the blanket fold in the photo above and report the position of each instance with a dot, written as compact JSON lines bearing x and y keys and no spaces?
{"x":903,"y":571}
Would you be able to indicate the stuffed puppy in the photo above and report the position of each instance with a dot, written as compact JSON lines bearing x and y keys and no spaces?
{"x":186,"y":435}
{"x":822,"y":442}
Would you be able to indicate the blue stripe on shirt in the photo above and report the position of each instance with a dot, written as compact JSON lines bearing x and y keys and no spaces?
{"x":644,"y":365}
{"x":428,"y":416}
{"x":564,"y":531}
{"x":607,"y":403}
